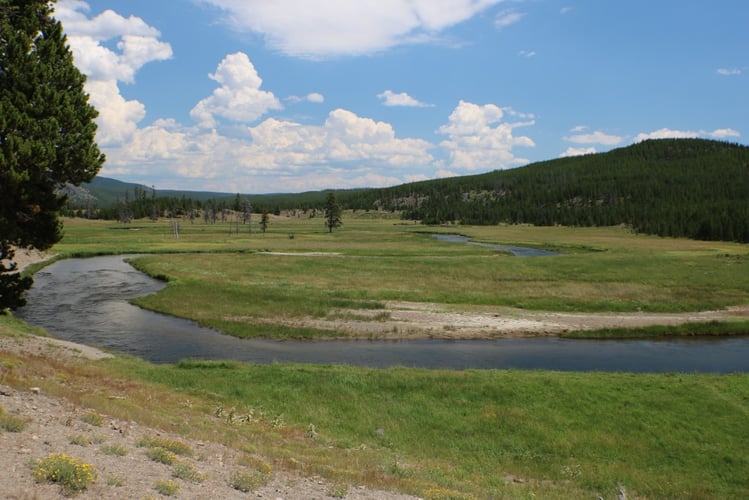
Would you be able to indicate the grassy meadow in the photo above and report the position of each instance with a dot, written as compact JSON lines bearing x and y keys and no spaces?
{"x":375,"y":259}
{"x":437,"y":434}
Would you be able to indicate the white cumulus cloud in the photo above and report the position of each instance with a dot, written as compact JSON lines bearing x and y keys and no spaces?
{"x":346,"y":150}
{"x":313,"y":97}
{"x":390,"y":98}
{"x":118,"y":118}
{"x":725,"y":133}
{"x":667,"y":133}
{"x":344,"y":27}
{"x":478,"y":138}
{"x":239,"y":98}
{"x":596,"y":137}
{"x":572,"y":151}
{"x":137,"y":44}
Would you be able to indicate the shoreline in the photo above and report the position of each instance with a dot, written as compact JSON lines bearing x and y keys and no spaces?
{"x":415,"y":320}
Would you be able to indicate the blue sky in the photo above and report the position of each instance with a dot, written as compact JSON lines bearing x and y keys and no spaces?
{"x":260,"y":96}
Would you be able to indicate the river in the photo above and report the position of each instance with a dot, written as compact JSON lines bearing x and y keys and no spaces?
{"x":85,"y":301}
{"x":514,"y":250}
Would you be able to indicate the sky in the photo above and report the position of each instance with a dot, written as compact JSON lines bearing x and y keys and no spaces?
{"x":261,"y":96}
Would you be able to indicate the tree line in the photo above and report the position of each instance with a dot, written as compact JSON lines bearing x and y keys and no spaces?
{"x":692,"y":188}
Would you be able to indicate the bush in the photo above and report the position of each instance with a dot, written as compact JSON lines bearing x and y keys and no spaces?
{"x":161,"y":455}
{"x":72,"y":475}
{"x":79,"y":439}
{"x":246,"y":481}
{"x":173,"y":445}
{"x":93,"y":419}
{"x":167,"y":488}
{"x":115,"y":449}
{"x":11,"y":423}
{"x":187,"y":472}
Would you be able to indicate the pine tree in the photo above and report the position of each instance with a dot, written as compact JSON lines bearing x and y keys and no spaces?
{"x":332,"y":212}
{"x":46,"y":134}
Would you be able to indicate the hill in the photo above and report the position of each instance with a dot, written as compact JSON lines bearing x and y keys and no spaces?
{"x":691,"y":188}
{"x":105,"y":194}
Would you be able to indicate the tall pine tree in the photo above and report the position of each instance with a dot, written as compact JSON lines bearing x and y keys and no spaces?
{"x":332,"y":212}
{"x":47,"y":134}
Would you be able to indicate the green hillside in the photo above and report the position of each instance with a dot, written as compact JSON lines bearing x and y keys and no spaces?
{"x":672,"y":187}
{"x":106,"y":193}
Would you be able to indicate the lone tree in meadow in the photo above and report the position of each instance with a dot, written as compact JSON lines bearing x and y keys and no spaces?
{"x":47,"y":135}
{"x":332,"y":212}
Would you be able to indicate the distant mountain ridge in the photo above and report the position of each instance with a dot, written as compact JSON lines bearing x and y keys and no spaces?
{"x":694,"y":188}
{"x":105,"y":192}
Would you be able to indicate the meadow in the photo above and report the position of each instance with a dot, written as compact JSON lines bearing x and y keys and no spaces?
{"x":256,"y":283}
{"x":438,"y":434}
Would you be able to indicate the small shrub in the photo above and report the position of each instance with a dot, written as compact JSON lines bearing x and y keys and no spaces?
{"x":11,"y":423}
{"x":72,"y":475}
{"x":255,"y":463}
{"x":246,"y":481}
{"x":187,"y":472}
{"x":79,"y":439}
{"x":338,"y":491}
{"x":445,"y":494}
{"x":167,"y":488}
{"x":175,"y":446}
{"x":93,"y":419}
{"x":115,"y":480}
{"x":161,"y":455}
{"x":115,"y":449}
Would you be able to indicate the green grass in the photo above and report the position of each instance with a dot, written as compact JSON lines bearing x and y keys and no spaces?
{"x":11,"y":423}
{"x":161,"y":456}
{"x":167,"y":488}
{"x":440,"y":434}
{"x":708,"y":329}
{"x":93,"y":419}
{"x":252,"y":292}
{"x":187,"y":472}
{"x":662,"y":436}
{"x":433,"y":433}
{"x":114,"y":449}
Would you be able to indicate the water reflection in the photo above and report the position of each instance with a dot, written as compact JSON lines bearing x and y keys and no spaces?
{"x":516,"y":251}
{"x":85,"y":301}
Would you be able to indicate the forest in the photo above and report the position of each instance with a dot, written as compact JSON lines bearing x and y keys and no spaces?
{"x":694,"y":188}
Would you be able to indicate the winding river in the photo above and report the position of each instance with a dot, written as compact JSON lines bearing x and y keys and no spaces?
{"x":86,"y":301}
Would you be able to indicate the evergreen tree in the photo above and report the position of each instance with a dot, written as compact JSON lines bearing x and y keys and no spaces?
{"x":332,"y":212}
{"x":46,"y":134}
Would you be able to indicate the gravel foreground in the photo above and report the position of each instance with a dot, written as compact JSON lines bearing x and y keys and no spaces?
{"x":55,"y":425}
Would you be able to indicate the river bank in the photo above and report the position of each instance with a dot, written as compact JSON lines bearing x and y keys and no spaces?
{"x":113,"y":446}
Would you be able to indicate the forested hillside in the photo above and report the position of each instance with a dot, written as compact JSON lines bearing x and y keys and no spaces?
{"x":691,"y":188}
{"x":671,"y":187}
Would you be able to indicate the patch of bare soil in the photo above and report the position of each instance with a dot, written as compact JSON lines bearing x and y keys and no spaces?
{"x":413,"y":320}
{"x":53,"y":425}
{"x":25,"y":257}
